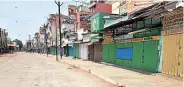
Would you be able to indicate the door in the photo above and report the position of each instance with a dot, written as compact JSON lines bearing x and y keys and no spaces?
{"x":105,"y":53}
{"x":85,"y":51}
{"x":173,"y":55}
{"x":137,"y":55}
{"x":71,"y":51}
{"x":150,"y":56}
{"x":98,"y":52}
{"x":111,"y":52}
{"x":180,"y":56}
{"x":91,"y":52}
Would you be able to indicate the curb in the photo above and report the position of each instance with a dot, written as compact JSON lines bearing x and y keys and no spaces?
{"x":106,"y":79}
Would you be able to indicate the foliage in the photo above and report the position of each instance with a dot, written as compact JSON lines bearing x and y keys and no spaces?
{"x":18,"y":42}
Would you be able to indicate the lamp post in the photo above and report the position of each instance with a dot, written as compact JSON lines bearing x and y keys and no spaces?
{"x":59,"y":4}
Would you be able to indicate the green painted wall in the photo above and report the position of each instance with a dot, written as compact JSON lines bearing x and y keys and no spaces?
{"x":137,"y":55}
{"x":145,"y":56}
{"x":97,"y":22}
{"x":109,"y":53}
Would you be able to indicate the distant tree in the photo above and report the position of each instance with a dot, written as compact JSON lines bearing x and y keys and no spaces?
{"x":18,"y":42}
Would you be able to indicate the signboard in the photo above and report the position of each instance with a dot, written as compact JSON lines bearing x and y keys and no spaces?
{"x":173,"y":22}
{"x":123,"y":41}
{"x":145,"y":39}
{"x":122,"y":37}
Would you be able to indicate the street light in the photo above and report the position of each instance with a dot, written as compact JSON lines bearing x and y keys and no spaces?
{"x":58,"y":3}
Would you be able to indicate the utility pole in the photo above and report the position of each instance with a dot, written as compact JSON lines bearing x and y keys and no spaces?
{"x":56,"y":41}
{"x":59,"y":5}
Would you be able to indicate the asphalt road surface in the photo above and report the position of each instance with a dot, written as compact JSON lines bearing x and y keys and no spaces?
{"x":30,"y":70}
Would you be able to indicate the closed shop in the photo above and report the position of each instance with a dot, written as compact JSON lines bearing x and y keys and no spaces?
{"x":84,"y":51}
{"x":138,"y":53}
{"x":52,"y":51}
{"x":98,"y":52}
{"x":91,"y":52}
{"x":173,"y":55}
{"x":173,"y":43}
{"x":76,"y":50}
{"x":146,"y":55}
{"x":109,"y":52}
{"x":70,"y":51}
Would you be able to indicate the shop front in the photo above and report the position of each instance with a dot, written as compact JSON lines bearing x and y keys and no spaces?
{"x":133,"y":44}
{"x":173,"y":43}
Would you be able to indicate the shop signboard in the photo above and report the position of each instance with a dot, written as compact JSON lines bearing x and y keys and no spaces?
{"x":145,"y":39}
{"x":122,"y":37}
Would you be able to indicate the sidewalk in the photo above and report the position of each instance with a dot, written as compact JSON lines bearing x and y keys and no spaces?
{"x":122,"y":76}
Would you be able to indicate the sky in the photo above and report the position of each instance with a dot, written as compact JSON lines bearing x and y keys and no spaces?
{"x":23,"y":18}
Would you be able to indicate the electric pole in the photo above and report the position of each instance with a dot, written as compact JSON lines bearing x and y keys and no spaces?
{"x":59,"y":5}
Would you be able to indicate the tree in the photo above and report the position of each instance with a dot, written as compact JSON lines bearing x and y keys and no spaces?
{"x":18,"y":42}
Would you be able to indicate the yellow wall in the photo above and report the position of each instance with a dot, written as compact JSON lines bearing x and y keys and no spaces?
{"x":173,"y":55}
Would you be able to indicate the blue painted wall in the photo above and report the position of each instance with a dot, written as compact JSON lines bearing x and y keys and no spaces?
{"x":124,"y":53}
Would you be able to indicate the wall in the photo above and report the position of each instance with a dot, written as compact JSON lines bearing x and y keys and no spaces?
{"x":97,"y":22}
{"x":132,"y":5}
{"x":173,"y":43}
{"x":82,"y":24}
{"x":105,"y":8}
{"x":115,"y":8}
{"x":101,"y":7}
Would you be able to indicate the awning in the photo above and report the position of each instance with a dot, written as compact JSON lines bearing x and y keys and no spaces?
{"x":95,"y":40}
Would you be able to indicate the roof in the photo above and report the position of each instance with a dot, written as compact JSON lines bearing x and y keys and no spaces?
{"x":146,"y":12}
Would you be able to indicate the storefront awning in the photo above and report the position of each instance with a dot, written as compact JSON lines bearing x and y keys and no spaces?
{"x":95,"y":40}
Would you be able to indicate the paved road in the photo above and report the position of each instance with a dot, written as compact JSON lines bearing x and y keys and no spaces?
{"x":29,"y":70}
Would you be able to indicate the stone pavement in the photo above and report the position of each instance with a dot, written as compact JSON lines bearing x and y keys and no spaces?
{"x":29,"y":70}
{"x":123,"y":76}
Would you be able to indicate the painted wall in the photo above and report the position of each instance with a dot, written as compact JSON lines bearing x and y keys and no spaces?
{"x":101,"y":7}
{"x":97,"y":22}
